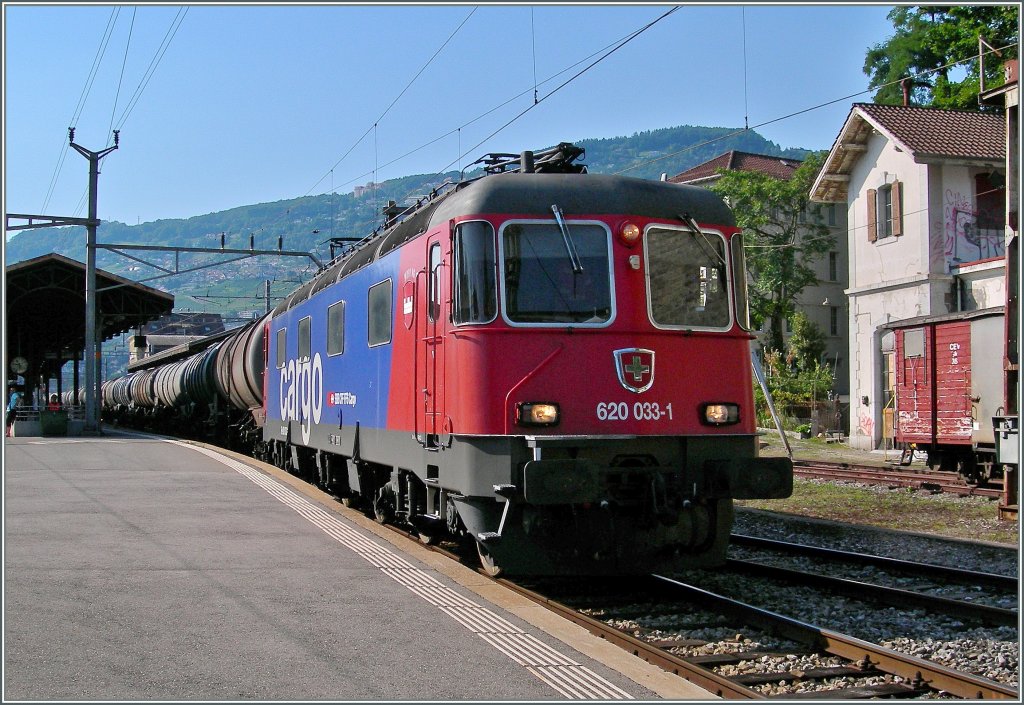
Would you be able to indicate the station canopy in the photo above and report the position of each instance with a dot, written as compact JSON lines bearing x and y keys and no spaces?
{"x":45,"y":310}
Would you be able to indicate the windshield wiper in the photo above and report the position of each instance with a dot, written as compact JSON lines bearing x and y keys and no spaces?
{"x":570,"y":246}
{"x":709,"y":249}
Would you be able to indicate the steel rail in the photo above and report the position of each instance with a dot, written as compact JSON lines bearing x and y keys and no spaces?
{"x":655,"y":655}
{"x":936,"y":676}
{"x":895,"y":597}
{"x":1007,"y":582}
{"x":874,"y":474}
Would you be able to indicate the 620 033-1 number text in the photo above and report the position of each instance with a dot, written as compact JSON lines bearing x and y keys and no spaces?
{"x":637,"y":411}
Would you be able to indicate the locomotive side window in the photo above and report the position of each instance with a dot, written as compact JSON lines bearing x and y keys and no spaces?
{"x":336,"y":328}
{"x":434,"y":283}
{"x":379,"y":320}
{"x":686,"y":279}
{"x":281,"y":351}
{"x":304,"y":338}
{"x":542,"y":283}
{"x":475,"y":295}
{"x":739,"y":273}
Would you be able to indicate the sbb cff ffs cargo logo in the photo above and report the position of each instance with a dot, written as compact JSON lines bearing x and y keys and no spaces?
{"x":635,"y":367}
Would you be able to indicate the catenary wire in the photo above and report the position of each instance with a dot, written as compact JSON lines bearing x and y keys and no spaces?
{"x":82,"y":98}
{"x":154,"y":62}
{"x":812,"y":108}
{"x":120,"y":79}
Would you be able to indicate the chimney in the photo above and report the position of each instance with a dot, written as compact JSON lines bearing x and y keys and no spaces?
{"x":906,"y":84}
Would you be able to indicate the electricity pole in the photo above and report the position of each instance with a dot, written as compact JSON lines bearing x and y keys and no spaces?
{"x":92,"y":337}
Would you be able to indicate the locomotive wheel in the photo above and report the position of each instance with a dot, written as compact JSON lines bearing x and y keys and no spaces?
{"x":427,"y":539}
{"x":350,"y":501}
{"x":384,"y":507}
{"x":487,"y":561}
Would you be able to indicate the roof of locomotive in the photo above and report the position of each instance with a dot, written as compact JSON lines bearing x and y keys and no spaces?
{"x":583,"y":194}
{"x":530,"y":194}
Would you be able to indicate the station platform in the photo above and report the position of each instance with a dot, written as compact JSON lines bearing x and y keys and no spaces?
{"x":141,"y":568}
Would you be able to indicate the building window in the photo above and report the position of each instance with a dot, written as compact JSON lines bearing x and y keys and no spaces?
{"x":336,"y":328}
{"x":833,"y":323}
{"x":833,"y":266}
{"x":831,"y":213}
{"x":379,"y":314}
{"x":885,"y":211}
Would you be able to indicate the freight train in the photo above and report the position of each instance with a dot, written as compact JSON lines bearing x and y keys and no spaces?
{"x":948,"y":389}
{"x":551,"y":364}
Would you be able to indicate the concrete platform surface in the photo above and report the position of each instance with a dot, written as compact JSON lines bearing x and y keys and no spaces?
{"x":138,"y":568}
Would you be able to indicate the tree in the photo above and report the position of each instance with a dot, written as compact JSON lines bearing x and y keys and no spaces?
{"x":806,"y":343}
{"x":780,"y":248}
{"x":928,"y":39}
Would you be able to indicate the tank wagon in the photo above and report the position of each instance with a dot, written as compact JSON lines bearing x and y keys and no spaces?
{"x":552,"y":364}
{"x":948,"y":387}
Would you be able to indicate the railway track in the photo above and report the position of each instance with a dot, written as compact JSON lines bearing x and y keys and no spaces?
{"x":876,"y":671}
{"x":866,"y":670}
{"x":935,"y":481}
{"x":842,"y":666}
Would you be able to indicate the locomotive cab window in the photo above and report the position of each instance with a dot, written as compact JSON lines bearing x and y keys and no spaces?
{"x":281,"y":349}
{"x":474,"y":291}
{"x":336,"y":328}
{"x":739,"y":269}
{"x":556,"y":276}
{"x":379,"y":314}
{"x":304,"y":342}
{"x":687,"y":283}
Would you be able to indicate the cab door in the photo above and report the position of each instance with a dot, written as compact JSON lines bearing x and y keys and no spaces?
{"x":431,"y":328}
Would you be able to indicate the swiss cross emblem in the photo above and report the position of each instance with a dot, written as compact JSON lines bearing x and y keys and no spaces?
{"x":635,"y":367}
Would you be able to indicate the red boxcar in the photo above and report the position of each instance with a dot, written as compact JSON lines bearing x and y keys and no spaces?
{"x":948,"y":386}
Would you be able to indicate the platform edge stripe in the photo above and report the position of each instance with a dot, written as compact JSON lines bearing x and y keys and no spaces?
{"x":521,"y":647}
{"x":482,"y":621}
{"x":541,"y":653}
{"x":545,"y":676}
{"x":599,"y":684}
{"x":410,"y":577}
{"x":442,"y":597}
{"x":399,"y":563}
{"x":500,"y":645}
{"x":526,"y":651}
{"x":580,"y":682}
{"x":496,"y":623}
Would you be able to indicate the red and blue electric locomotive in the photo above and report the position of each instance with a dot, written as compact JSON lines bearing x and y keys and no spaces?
{"x":552,"y":363}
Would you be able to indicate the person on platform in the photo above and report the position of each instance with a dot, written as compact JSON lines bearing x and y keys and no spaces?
{"x":54,"y":403}
{"x":13,"y":402}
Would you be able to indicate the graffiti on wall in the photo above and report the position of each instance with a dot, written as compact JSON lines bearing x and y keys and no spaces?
{"x":971,"y":233}
{"x":865,"y":423}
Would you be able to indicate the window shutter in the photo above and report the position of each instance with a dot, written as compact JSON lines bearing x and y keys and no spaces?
{"x":872,"y":220}
{"x":897,"y":208}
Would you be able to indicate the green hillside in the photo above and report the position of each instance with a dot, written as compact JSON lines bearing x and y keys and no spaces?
{"x":307,"y":223}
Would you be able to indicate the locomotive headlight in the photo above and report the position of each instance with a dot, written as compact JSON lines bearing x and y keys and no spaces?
{"x":629,"y":234}
{"x":721,"y":414}
{"x":537,"y":414}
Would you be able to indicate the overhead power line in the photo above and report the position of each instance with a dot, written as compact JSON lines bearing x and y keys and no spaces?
{"x":812,"y":108}
{"x":80,"y":106}
{"x":154,"y":62}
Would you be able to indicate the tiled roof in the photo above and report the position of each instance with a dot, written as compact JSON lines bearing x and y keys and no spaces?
{"x":926,"y":134}
{"x":944,"y":133}
{"x":779,"y":167}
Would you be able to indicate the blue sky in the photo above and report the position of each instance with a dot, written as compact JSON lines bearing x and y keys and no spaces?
{"x":251,"y":104}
